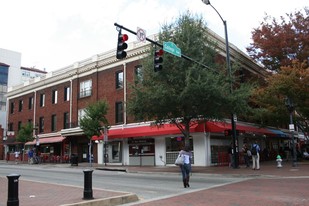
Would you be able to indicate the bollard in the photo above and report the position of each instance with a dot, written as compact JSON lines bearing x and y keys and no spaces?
{"x":88,"y":184}
{"x":13,"y":190}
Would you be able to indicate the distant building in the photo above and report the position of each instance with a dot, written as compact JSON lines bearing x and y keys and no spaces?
{"x":31,"y":73}
{"x":11,"y":73}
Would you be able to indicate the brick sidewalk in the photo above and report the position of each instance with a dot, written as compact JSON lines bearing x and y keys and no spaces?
{"x":269,"y":186}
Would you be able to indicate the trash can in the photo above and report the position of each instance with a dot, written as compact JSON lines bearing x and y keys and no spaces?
{"x":74,"y":160}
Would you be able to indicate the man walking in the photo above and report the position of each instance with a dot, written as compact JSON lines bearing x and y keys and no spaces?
{"x":255,"y":152}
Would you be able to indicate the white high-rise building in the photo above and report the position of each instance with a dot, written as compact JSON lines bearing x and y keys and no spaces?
{"x":11,"y":73}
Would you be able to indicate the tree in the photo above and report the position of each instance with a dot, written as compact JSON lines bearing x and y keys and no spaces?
{"x":93,"y":120}
{"x":183,"y":92}
{"x":282,"y":47}
{"x":291,"y":82}
{"x":25,"y":134}
{"x":276,"y":44}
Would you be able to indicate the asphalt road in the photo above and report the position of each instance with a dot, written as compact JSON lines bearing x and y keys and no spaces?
{"x":145,"y":185}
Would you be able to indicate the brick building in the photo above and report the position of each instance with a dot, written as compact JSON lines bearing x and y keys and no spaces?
{"x":54,"y":103}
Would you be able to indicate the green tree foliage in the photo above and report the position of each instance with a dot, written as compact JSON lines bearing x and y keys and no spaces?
{"x":25,"y":134}
{"x":184,"y":92}
{"x":94,"y":118}
{"x":292,"y":82}
{"x":277,"y":42}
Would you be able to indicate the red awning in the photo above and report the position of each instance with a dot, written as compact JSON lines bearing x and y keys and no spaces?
{"x":220,"y":127}
{"x":141,"y":131}
{"x":47,"y":140}
{"x":171,"y":129}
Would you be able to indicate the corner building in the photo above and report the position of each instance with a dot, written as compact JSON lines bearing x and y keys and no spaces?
{"x":54,"y":104}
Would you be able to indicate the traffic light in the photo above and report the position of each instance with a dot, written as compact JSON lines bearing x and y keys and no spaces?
{"x":158,"y":59}
{"x":121,"y":45}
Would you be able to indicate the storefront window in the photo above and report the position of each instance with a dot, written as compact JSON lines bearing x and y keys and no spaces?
{"x":141,"y":147}
{"x":174,"y":144}
{"x":116,"y":154}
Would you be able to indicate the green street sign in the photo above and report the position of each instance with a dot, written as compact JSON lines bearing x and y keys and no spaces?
{"x":171,"y":48}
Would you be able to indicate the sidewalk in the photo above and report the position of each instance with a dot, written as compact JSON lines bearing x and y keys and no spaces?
{"x":269,"y":186}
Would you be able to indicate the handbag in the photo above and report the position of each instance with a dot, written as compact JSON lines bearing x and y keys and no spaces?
{"x":180,"y":160}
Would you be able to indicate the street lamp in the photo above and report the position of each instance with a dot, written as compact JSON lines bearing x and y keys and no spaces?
{"x":290,"y":106}
{"x":105,"y":136}
{"x":228,"y":65}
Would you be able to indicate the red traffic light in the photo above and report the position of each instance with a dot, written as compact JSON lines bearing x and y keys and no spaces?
{"x":123,"y":37}
{"x":158,"y":60}
{"x":121,"y":46}
{"x":159,"y":52}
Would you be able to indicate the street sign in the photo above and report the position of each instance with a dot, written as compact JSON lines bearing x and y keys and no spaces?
{"x":141,"y":35}
{"x":171,"y":48}
{"x":235,"y":117}
{"x":291,"y":127}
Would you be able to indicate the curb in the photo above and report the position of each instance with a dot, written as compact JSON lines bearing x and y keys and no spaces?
{"x":112,"y":169}
{"x":111,"y":201}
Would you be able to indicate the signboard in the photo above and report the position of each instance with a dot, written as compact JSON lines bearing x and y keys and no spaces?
{"x":141,"y":35}
{"x":171,"y":48}
{"x":291,"y":127}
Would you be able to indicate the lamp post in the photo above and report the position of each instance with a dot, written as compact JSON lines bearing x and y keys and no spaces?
{"x":105,"y":140}
{"x":290,"y":106}
{"x":228,"y":65}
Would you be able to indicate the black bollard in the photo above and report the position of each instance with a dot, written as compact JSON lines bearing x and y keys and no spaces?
{"x":13,"y":190}
{"x":88,"y":184}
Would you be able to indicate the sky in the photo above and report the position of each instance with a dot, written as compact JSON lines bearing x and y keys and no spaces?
{"x":53,"y":34}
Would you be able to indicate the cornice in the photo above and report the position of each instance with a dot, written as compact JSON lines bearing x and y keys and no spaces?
{"x":107,"y":60}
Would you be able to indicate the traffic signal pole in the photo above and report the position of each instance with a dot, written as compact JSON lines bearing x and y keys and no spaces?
{"x":160,"y":45}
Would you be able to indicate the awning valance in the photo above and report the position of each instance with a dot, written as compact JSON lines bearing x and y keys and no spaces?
{"x":141,"y":131}
{"x":220,"y":127}
{"x":47,"y":140}
{"x":171,"y":129}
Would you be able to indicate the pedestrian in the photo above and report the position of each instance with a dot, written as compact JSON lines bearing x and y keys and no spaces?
{"x":186,"y":166}
{"x":255,"y":152}
{"x":230,"y":151}
{"x":30,"y":156}
{"x":16,"y":153}
{"x":7,"y":156}
{"x":247,"y":154}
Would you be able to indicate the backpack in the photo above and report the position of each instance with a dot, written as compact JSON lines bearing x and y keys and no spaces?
{"x":254,"y":150}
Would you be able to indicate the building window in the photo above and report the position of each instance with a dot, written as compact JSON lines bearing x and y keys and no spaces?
{"x":54,"y":97}
{"x":20,"y":105}
{"x":26,"y":74}
{"x":30,"y":105}
{"x":119,"y":80}
{"x":41,"y":124}
{"x":53,"y":123}
{"x":42,"y":100}
{"x":66,"y":93}
{"x":81,"y":114}
{"x":119,"y":112}
{"x":11,"y":127}
{"x":12,"y":107}
{"x":30,"y":121}
{"x":138,"y":74}
{"x":19,"y":125}
{"x":66,"y":122}
{"x":85,"y":88}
